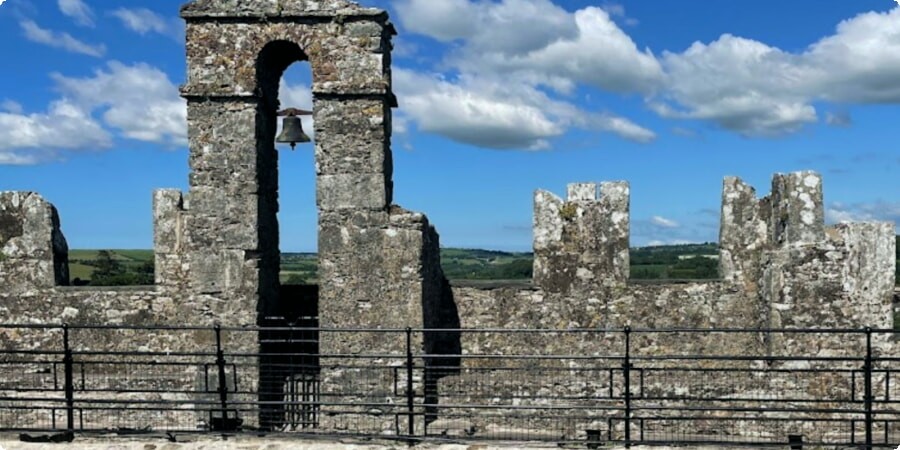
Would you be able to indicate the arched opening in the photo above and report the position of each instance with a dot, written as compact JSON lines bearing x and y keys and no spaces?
{"x":297,"y":216}
{"x":288,"y":227}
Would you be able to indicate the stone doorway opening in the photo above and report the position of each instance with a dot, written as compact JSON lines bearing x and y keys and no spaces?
{"x":289,"y":365}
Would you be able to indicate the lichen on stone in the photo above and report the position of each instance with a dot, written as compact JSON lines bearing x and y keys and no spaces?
{"x":568,"y":211}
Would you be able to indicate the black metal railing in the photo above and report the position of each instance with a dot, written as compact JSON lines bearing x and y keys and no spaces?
{"x":627,"y":386}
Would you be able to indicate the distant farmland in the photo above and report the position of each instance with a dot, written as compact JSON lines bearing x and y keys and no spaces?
{"x":681,"y":261}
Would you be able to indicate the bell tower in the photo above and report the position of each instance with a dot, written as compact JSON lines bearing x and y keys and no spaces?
{"x":378,"y":263}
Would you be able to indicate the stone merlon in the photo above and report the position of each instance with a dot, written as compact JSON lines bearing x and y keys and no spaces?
{"x":583,"y":241}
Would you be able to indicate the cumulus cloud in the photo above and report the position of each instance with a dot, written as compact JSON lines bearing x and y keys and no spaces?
{"x":489,"y":113}
{"x":535,"y":41}
{"x":139,"y":100}
{"x":78,"y":11}
{"x":755,"y":89}
{"x":144,"y":21}
{"x":33,"y":138}
{"x":65,"y":41}
{"x":741,"y":85}
{"x":473,"y":114}
{"x":508,"y":55}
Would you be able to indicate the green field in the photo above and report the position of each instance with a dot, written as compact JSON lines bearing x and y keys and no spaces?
{"x":669,"y":262}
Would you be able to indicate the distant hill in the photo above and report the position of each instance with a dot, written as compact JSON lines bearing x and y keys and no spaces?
{"x":687,"y":261}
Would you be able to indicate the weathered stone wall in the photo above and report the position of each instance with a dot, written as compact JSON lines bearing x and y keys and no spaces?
{"x":217,"y":255}
{"x":33,"y":250}
{"x":780,"y":267}
{"x":581,"y":243}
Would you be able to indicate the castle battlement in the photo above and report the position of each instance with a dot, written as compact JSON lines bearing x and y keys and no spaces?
{"x":583,"y":240}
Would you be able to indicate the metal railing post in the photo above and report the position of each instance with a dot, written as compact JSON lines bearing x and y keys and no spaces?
{"x":223,"y":387}
{"x":409,"y":382}
{"x":868,"y":388}
{"x":68,"y":361}
{"x":626,"y":370}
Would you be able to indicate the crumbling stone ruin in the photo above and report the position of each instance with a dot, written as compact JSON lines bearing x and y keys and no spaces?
{"x":216,"y":246}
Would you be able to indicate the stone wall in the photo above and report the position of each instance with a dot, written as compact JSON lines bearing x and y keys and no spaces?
{"x":581,"y":243}
{"x":33,"y":250}
{"x":217,"y":256}
{"x":780,"y":267}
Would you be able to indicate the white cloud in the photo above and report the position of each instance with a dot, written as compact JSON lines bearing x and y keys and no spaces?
{"x":33,"y":138}
{"x":78,"y":11}
{"x":506,"y":54}
{"x":444,"y":20}
{"x":618,"y":10}
{"x":878,"y":211}
{"x":144,"y":21}
{"x":11,"y":107}
{"x":759,"y":90}
{"x":491,"y":113}
{"x":663,"y":222}
{"x":860,"y":63}
{"x":741,"y":84}
{"x":537,"y":42}
{"x":839,"y":119}
{"x":473,"y":114}
{"x":624,"y":128}
{"x":35,"y":33}
{"x":139,"y":100}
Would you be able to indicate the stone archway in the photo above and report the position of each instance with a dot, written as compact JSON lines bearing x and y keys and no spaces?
{"x":379,"y":265}
{"x":235,"y":61}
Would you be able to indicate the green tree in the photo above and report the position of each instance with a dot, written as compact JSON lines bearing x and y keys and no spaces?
{"x":105,"y":266}
{"x":108,"y":271}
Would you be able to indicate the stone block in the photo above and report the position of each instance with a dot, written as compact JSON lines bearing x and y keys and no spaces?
{"x":547,"y":220}
{"x":582,"y":192}
{"x":168,"y":221}
{"x":33,"y":250}
{"x":215,"y":272}
{"x":351,"y":191}
{"x":798,"y":213}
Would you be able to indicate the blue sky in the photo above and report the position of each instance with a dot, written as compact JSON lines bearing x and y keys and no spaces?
{"x":497,"y":98}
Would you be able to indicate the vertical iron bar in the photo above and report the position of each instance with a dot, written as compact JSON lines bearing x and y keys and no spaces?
{"x":69,"y":385}
{"x":868,"y":394}
{"x":626,"y":369}
{"x":223,"y":387}
{"x":409,"y":381}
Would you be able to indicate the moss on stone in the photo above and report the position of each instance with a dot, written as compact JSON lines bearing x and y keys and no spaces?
{"x":568,"y":211}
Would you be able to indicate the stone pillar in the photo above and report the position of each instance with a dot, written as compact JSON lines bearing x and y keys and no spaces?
{"x":581,"y":244}
{"x":169,"y":239}
{"x":33,"y":250}
{"x":742,"y":234}
{"x":798,"y":214}
{"x":869,"y":271}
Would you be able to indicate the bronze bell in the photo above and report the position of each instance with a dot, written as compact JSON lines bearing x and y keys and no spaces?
{"x":292,"y":129}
